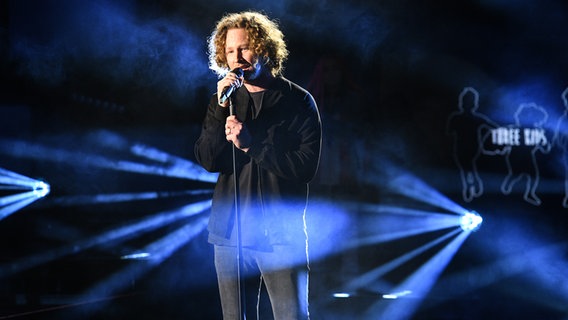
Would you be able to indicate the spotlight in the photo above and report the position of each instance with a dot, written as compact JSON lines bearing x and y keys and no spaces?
{"x":341,"y":295}
{"x":25,"y":191}
{"x":41,"y":189}
{"x":470,"y":221}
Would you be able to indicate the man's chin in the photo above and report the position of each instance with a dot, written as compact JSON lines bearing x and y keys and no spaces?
{"x":251,"y":74}
{"x":254,"y":71}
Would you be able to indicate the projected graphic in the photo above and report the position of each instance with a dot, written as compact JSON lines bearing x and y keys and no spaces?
{"x":560,"y":140}
{"x":474,"y":134}
{"x":521,"y":146}
{"x":469,"y":128}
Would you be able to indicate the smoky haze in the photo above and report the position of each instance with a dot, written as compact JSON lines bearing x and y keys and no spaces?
{"x":133,"y":53}
{"x":127,"y":50}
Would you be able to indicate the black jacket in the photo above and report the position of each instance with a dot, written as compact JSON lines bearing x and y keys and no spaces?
{"x":273,"y":175}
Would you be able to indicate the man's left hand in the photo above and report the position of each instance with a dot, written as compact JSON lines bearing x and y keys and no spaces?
{"x":237,"y":133}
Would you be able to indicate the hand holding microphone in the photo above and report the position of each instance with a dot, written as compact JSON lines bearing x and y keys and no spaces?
{"x":228,"y":85}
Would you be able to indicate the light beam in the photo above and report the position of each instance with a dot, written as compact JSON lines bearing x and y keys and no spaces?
{"x":152,"y":255}
{"x":178,"y":168}
{"x":419,"y":283}
{"x":117,"y":234}
{"x":371,"y":276}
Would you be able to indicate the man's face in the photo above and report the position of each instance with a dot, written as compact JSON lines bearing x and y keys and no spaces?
{"x":240,"y":55}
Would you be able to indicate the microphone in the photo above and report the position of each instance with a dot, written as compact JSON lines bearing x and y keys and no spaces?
{"x":227,"y":92}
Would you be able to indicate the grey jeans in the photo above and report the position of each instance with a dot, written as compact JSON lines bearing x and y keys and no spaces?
{"x":286,"y":283}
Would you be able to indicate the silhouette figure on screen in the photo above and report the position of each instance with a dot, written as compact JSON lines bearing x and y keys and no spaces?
{"x":520,"y":157}
{"x":470,"y":130}
{"x":560,"y":139}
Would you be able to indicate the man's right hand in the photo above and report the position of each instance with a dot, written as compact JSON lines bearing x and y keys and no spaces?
{"x":229,"y":80}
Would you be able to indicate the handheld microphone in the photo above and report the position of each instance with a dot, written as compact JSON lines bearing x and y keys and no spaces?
{"x":227,"y":92}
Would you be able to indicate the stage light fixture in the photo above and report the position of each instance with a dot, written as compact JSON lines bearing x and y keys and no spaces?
{"x":471,"y":221}
{"x":19,"y":191}
{"x":41,"y":189}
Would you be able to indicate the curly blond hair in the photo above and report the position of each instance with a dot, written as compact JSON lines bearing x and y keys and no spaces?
{"x":265,"y":38}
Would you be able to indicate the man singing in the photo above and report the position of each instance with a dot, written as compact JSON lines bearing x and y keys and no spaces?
{"x":276,"y":133}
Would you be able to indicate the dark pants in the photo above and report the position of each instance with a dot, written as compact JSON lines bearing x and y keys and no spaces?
{"x":287,"y":292}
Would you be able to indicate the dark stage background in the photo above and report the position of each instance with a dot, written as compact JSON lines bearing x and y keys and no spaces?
{"x":430,"y":109}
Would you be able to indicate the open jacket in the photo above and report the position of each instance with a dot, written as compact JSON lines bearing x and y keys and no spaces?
{"x":273,"y":175}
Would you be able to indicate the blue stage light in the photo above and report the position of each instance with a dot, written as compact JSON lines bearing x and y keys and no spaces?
{"x":21,"y":191}
{"x":471,"y":221}
{"x":41,"y":189}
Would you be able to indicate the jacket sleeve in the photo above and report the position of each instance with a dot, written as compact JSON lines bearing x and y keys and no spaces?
{"x":291,"y":148}
{"x":212,"y":150}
